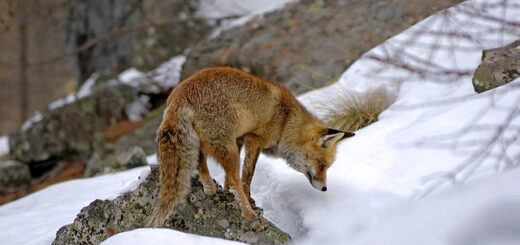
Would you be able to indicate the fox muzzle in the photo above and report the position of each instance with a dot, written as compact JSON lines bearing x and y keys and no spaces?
{"x":315,"y":182}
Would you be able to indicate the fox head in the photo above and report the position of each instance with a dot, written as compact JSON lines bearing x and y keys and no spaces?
{"x":314,"y":153}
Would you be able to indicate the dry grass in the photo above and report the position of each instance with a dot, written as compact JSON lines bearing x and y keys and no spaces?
{"x":351,"y":110}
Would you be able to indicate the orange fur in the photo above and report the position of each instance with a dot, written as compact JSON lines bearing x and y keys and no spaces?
{"x":216,"y":111}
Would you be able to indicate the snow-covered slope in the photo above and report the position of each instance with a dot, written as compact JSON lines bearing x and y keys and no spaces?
{"x":35,"y":219}
{"x":418,"y":148}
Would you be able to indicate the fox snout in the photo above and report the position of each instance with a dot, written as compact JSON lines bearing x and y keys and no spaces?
{"x":316,"y":182}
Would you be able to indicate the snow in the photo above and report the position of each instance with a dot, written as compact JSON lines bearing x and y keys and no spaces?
{"x":34,"y":219}
{"x":138,"y":108}
{"x":83,"y":91}
{"x":162,"y":79}
{"x":169,"y":73}
{"x":162,"y":236}
{"x":4,"y":145}
{"x":36,"y":117}
{"x":405,"y":179}
{"x":86,"y":87}
{"x":243,"y":10}
{"x":487,"y":212}
{"x":213,"y":9}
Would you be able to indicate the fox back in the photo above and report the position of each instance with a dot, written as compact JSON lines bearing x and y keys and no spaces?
{"x":216,"y":111}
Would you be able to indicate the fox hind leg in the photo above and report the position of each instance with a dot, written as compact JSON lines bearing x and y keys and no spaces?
{"x":209,"y":186}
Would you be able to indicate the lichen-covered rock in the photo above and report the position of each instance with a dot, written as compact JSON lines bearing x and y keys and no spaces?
{"x":498,"y":67}
{"x":103,"y":163}
{"x":72,"y":128}
{"x":217,"y":216}
{"x":144,"y":136}
{"x":14,"y":174}
{"x":310,"y":43}
{"x":108,"y":158}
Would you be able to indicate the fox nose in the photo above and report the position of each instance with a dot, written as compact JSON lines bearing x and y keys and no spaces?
{"x":324,"y":188}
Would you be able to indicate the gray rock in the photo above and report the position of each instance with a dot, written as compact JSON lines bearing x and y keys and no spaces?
{"x":309,"y":44}
{"x":129,"y":33}
{"x":14,"y":174}
{"x":144,"y":136}
{"x":132,"y":158}
{"x":102,"y":162}
{"x":498,"y":67}
{"x":72,"y":128}
{"x":210,"y":216}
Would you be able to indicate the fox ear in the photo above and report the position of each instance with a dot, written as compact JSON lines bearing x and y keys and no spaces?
{"x":333,"y":136}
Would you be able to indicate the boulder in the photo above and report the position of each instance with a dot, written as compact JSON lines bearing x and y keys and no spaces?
{"x":72,"y":127}
{"x":498,"y":66}
{"x":144,"y":136}
{"x":110,"y":36}
{"x":217,"y":216}
{"x":115,"y":161}
{"x":14,"y":174}
{"x":310,"y":43}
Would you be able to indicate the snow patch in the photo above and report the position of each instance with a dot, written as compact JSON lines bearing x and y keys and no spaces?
{"x":162,"y":236}
{"x":132,"y":77}
{"x":152,"y":159}
{"x":132,"y":186}
{"x":160,"y":80}
{"x":36,"y":117}
{"x":246,"y":9}
{"x":86,"y":88}
{"x":35,"y":219}
{"x":84,"y":91}
{"x":138,"y":108}
{"x":168,"y":74}
{"x":4,"y":145}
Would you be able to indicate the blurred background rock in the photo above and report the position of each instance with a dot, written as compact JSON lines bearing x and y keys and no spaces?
{"x":50,"y":47}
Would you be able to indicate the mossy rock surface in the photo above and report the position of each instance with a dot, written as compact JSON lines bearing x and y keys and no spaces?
{"x":216,"y":216}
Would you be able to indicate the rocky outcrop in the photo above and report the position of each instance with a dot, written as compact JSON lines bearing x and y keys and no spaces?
{"x":134,"y":145}
{"x":498,"y":67}
{"x":119,"y":160}
{"x":144,"y":136}
{"x":310,"y":43}
{"x":217,"y":216}
{"x":110,"y":36}
{"x":13,"y":174}
{"x":72,"y":128}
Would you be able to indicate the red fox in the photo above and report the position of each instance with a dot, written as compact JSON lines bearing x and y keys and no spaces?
{"x":216,"y":111}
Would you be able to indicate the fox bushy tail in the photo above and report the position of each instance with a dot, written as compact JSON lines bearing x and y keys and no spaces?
{"x":178,"y":148}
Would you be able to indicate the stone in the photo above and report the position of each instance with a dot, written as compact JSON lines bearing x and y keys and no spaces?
{"x":105,"y":161}
{"x":14,"y":174}
{"x":310,"y":43}
{"x":211,"y":216}
{"x":133,"y":157}
{"x":498,"y":66}
{"x":129,"y":33}
{"x":144,"y":136}
{"x":72,"y":128}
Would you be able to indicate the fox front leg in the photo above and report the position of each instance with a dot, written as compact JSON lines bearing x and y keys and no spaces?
{"x":229,"y":159}
{"x":240,"y":143}
{"x":252,"y":152}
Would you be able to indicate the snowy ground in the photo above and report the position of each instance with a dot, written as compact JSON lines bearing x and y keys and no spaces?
{"x":4,"y":145}
{"x":390,"y":183}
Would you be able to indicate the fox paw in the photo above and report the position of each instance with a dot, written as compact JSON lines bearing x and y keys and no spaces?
{"x":210,"y":187}
{"x":258,"y":211}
